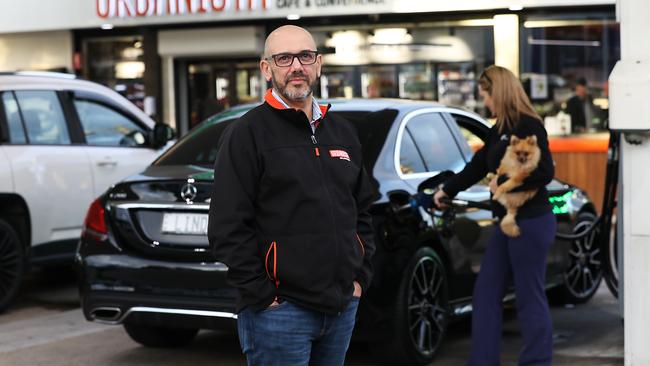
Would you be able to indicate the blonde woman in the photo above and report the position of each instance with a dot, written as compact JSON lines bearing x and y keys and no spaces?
{"x":520,"y":260}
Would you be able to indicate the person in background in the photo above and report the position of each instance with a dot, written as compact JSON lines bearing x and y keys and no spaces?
{"x":580,"y":108}
{"x":289,"y":215}
{"x":521,"y":259}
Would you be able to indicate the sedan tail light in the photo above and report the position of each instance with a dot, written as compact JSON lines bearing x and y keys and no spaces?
{"x":95,"y":222}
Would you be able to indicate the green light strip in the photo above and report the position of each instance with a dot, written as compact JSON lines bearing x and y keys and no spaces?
{"x":559,"y":203}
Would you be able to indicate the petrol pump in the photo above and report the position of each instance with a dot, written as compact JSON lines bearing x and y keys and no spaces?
{"x":629,"y":113}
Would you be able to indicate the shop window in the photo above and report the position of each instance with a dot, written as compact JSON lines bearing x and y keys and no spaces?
{"x":43,"y":116}
{"x":457,"y":85}
{"x":104,"y":126}
{"x":416,"y":82}
{"x":249,"y":85}
{"x":119,"y":64}
{"x":378,"y":82}
{"x":337,"y":82}
{"x":405,"y":61}
{"x":435,"y":142}
{"x":570,"y":59}
{"x":16,"y":131}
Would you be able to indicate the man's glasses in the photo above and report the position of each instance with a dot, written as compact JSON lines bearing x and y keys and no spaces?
{"x":286,"y":59}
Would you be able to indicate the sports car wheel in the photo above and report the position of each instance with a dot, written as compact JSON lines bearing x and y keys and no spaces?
{"x":421,"y":310}
{"x":584,"y":272}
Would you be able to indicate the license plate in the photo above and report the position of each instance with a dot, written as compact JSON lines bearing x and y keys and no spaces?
{"x":185,"y":224}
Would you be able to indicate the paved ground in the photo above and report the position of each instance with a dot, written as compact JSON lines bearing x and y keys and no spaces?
{"x":46,"y":327}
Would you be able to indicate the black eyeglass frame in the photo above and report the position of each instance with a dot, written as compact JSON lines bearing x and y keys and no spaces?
{"x":293,"y":56}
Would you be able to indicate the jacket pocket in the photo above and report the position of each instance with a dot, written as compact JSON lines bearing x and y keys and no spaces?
{"x":306,"y":263}
{"x":271,"y":263}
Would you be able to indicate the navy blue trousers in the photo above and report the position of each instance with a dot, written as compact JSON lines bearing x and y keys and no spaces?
{"x":521,"y":260}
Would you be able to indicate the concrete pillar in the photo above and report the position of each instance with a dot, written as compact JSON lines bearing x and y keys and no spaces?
{"x":506,"y":41}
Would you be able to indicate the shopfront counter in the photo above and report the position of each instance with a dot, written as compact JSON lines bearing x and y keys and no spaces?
{"x":581,"y":160}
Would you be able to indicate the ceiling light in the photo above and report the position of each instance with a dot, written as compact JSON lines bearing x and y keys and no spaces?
{"x":516,"y":8}
{"x":293,"y":16}
{"x":391,"y":36}
{"x":107,"y":26}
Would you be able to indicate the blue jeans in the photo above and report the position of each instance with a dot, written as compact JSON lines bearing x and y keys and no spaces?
{"x":521,"y":260}
{"x":289,"y":335}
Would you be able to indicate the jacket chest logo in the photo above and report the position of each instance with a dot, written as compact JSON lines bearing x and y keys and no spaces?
{"x":341,"y":154}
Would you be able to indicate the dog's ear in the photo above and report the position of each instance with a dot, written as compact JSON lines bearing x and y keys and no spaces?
{"x":532,"y":140}
{"x":514,"y":140}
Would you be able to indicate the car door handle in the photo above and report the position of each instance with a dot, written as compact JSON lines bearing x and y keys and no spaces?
{"x":107,"y":163}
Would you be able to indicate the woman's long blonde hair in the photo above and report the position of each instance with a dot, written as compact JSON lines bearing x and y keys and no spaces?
{"x":509,"y":99}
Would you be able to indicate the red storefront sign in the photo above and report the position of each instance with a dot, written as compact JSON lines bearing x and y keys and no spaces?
{"x":151,"y":8}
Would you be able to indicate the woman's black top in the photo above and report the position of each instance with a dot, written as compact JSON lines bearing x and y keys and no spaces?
{"x":488,"y":158}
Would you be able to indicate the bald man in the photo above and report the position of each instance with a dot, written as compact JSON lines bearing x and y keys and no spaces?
{"x":289,"y":215}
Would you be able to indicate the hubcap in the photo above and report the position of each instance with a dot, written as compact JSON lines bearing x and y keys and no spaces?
{"x":426,"y":306}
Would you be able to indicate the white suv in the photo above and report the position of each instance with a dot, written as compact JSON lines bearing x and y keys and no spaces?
{"x":63,"y":141}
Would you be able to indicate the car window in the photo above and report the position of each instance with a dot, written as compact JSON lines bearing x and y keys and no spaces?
{"x":199,"y":147}
{"x":372,"y":128}
{"x":474,"y":142}
{"x":435,"y":142}
{"x":43,"y":117}
{"x":104,"y":126}
{"x":473,"y":132}
{"x":410,"y":160}
{"x":16,"y":130}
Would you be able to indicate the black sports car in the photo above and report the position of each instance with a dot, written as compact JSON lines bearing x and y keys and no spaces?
{"x":144,"y":260}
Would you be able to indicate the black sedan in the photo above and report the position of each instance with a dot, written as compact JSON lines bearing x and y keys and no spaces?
{"x":144,"y":259}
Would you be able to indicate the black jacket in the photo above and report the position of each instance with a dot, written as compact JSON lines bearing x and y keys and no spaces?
{"x":488,"y":158}
{"x":289,"y":210}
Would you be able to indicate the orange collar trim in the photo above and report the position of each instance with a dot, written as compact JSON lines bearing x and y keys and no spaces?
{"x":275,"y":103}
{"x":272,"y":100}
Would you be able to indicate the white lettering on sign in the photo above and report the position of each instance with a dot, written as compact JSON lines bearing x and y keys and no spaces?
{"x":320,"y":4}
{"x":148,"y":8}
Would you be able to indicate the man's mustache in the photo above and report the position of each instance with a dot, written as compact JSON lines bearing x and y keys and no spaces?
{"x":298,"y":75}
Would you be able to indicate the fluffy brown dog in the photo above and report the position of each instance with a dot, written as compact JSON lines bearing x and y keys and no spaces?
{"x":521,"y":159}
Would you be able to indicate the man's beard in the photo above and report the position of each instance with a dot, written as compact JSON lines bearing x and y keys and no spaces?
{"x":291,"y":93}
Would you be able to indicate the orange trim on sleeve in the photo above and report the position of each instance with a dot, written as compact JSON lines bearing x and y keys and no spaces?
{"x":576,"y":144}
{"x":363,"y":248}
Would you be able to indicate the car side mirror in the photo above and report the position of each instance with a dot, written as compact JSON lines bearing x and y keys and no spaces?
{"x":162,"y":133}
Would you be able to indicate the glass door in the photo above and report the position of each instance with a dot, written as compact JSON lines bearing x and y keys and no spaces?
{"x":213,"y":86}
